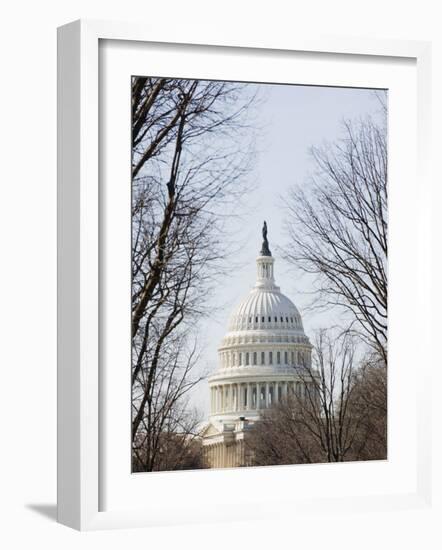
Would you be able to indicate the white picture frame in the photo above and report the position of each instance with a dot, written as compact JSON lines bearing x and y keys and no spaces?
{"x":79,"y":295}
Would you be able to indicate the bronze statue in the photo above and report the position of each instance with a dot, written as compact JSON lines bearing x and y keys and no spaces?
{"x":265,"y":250}
{"x":264,"y":231}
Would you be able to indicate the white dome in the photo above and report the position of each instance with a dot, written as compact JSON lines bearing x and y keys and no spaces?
{"x":265,"y":307}
{"x":269,"y":309}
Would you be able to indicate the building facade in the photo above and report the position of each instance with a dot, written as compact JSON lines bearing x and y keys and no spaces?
{"x":260,"y":361}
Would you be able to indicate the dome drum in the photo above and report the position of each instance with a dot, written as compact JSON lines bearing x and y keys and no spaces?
{"x":232,"y":399}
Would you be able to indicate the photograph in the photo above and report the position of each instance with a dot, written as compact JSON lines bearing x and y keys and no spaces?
{"x":259,"y":244}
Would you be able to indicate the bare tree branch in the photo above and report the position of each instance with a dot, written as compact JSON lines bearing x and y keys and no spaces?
{"x":338,"y":230}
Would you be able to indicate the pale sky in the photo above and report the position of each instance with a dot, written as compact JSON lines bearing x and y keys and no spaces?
{"x":291,"y":120}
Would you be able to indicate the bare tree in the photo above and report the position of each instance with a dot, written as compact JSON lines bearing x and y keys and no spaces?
{"x":331,"y":418}
{"x":187,"y":166}
{"x":160,"y":397}
{"x":369,"y":402}
{"x":279,"y":437}
{"x":338,"y":227}
{"x":177,"y":444}
{"x":328,"y":389}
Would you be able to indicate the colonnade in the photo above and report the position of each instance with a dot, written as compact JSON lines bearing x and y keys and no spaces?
{"x":247,"y":396}
{"x":269,"y":357}
{"x":221,"y":455}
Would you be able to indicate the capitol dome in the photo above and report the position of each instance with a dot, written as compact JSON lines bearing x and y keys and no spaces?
{"x":265,"y":308}
{"x":260,"y":362}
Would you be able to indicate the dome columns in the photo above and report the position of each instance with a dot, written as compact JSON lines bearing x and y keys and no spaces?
{"x":243,"y":397}
{"x":265,"y":354}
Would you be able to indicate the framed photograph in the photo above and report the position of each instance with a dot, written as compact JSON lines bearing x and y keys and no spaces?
{"x":242,"y":262}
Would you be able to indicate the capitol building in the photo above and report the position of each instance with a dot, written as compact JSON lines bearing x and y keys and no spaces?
{"x":260,"y":362}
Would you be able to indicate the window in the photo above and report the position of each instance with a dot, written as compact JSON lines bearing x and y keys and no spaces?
{"x":239,"y":359}
{"x":247,"y":358}
{"x":262,"y":319}
{"x":263,"y":358}
{"x":270,"y":319}
{"x":278,"y":357}
{"x":270,"y":357}
{"x":286,"y":358}
{"x":255,"y":357}
{"x":282,"y":319}
{"x":276,"y":319}
{"x":291,"y":319}
{"x":256,"y":319}
{"x":250,"y":319}
{"x":286,"y":319}
{"x":293,"y":357}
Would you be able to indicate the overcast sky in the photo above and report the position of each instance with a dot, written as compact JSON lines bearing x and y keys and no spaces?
{"x":291,"y":120}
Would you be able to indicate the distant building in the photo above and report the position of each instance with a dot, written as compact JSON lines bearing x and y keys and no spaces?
{"x":259,"y":363}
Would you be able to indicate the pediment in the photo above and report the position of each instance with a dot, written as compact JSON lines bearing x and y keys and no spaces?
{"x":210,"y":430}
